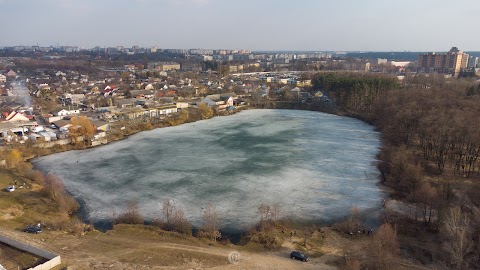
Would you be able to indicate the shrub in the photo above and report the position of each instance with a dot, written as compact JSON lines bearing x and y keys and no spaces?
{"x":37,"y":177}
{"x":131,"y":215}
{"x":55,"y":190}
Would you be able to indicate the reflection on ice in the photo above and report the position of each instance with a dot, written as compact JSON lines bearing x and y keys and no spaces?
{"x":317,"y":166}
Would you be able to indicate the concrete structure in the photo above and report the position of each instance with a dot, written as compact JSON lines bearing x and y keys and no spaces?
{"x":139,"y":112}
{"x":62,"y":125}
{"x":53,"y":259}
{"x":401,"y":64}
{"x":72,"y":98}
{"x":6,"y":128}
{"x":380,"y":61}
{"x":127,"y":102}
{"x":356,"y":66}
{"x":284,"y":80}
{"x":3,"y":78}
{"x":472,"y":62}
{"x":163,"y":66}
{"x":210,"y":102}
{"x":220,"y":101}
{"x":148,"y":94}
{"x":182,"y":105}
{"x":450,"y":63}
{"x":167,"y":109}
{"x":64,"y":112}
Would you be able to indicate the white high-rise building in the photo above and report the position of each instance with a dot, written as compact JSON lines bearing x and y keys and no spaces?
{"x":472,"y":62}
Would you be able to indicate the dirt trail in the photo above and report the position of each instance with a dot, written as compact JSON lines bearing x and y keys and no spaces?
{"x":125,"y":251}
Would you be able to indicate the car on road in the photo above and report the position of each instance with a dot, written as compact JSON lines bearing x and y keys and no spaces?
{"x":299,"y":256}
{"x":33,"y":229}
{"x":10,"y":188}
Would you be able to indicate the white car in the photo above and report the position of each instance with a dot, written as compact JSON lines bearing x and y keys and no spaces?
{"x":36,"y":129}
{"x":10,"y":188}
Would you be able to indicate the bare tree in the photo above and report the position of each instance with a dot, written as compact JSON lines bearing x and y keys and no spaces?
{"x":175,"y":219}
{"x":180,"y":222}
{"x":168,"y":210}
{"x":276,"y":211}
{"x":385,"y":248}
{"x":426,"y":199}
{"x":211,"y":221}
{"x":54,"y":187}
{"x":459,"y":243}
{"x":264,"y":212}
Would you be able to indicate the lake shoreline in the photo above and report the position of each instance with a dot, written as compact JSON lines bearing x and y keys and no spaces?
{"x":288,"y":112}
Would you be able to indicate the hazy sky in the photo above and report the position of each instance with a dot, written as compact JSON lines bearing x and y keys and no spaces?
{"x":373,"y":25}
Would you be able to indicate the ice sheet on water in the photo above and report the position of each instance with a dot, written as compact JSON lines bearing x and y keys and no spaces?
{"x":317,"y":166}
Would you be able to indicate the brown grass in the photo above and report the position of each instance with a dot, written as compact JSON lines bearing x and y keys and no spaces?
{"x":13,"y":258}
{"x":24,"y":206}
{"x":169,"y":257}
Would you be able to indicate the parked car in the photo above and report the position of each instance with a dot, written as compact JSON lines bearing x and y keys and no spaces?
{"x":33,"y":229}
{"x":10,"y":188}
{"x":299,"y":256}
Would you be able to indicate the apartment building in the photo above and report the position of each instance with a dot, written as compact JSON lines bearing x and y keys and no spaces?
{"x":163,"y":66}
{"x":451,"y":62}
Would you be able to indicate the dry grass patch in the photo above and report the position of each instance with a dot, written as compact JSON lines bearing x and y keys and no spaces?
{"x":12,"y":212}
{"x":26,"y":205}
{"x":152,"y":233}
{"x":13,"y":258}
{"x":174,"y":257}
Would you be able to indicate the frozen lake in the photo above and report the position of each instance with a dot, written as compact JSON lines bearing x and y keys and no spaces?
{"x":316,"y":165}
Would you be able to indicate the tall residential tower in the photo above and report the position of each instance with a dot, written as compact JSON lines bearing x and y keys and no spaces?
{"x":451,"y":62}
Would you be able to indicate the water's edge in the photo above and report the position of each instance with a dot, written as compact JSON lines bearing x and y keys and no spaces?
{"x":102,"y":224}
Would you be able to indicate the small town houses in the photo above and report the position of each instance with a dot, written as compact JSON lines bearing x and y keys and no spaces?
{"x":111,"y":95}
{"x":219,"y":101}
{"x":141,"y":112}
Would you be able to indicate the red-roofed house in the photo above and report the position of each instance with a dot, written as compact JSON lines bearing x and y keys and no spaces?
{"x":11,"y":73}
{"x":15,"y":117}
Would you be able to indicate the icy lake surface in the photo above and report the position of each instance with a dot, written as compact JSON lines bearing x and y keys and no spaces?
{"x":316,"y":165}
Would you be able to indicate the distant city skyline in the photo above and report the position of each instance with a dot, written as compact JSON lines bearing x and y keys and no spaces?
{"x":261,"y":25}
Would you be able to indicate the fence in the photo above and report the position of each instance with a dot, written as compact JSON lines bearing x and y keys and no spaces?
{"x":53,"y":259}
